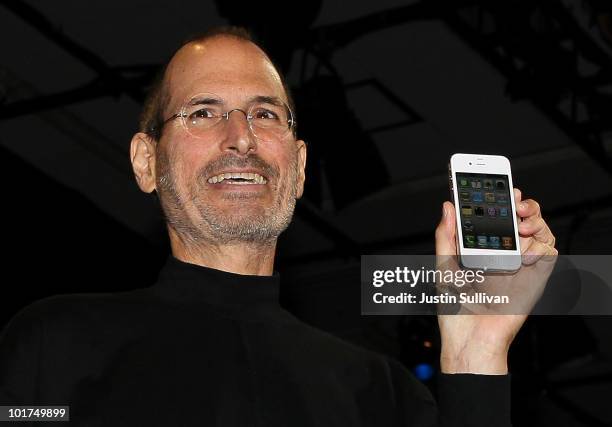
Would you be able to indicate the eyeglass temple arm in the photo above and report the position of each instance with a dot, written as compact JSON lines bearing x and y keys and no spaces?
{"x":172,"y":117}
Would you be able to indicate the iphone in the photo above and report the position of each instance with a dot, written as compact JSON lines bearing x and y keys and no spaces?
{"x":482,"y":192}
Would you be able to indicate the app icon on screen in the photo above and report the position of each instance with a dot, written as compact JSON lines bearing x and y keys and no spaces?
{"x":502,"y":199}
{"x":476,"y":184}
{"x":468,"y":226}
{"x":482,"y":241}
{"x":465,"y":196}
{"x":466,"y":210}
{"x":487,"y":184}
{"x":463,"y":182}
{"x":503,"y":211}
{"x":494,"y":241}
{"x":507,"y":242}
{"x":477,"y":197}
{"x":491,"y":211}
{"x":490,"y":197}
{"x":479,"y":211}
{"x":500,"y":184}
{"x":470,"y":240}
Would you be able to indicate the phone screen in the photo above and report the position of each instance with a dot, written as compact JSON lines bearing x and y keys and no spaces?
{"x":485,"y":211}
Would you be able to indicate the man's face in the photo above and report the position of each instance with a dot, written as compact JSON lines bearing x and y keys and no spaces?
{"x":186,"y":166}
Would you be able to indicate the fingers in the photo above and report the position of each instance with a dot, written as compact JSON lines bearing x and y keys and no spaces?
{"x":537,"y":240}
{"x":537,"y":228}
{"x":533,"y":225}
{"x":445,"y":231}
{"x":517,"y":196}
{"x":528,"y":208}
{"x":535,"y":251}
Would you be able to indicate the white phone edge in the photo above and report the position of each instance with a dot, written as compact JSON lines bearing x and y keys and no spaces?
{"x":490,"y":260}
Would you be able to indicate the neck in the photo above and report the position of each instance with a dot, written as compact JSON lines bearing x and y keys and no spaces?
{"x":255,"y":258}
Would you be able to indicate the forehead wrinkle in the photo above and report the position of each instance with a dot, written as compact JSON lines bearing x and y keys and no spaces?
{"x":240,"y":83}
{"x":231,"y":65}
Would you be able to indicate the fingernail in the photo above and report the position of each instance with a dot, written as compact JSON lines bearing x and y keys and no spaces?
{"x":522,"y":205}
{"x":444,"y":212}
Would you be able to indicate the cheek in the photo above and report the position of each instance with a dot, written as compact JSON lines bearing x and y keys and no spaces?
{"x":191,"y":157}
{"x":284,"y":158}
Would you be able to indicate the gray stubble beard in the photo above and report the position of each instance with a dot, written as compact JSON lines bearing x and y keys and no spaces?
{"x":216,"y":228}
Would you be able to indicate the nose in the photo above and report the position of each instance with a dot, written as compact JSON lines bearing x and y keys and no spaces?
{"x":238,"y":135}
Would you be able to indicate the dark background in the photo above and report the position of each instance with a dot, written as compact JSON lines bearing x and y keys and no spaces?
{"x":386,"y":91}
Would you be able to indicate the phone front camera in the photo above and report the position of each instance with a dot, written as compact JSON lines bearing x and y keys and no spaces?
{"x":470,"y":163}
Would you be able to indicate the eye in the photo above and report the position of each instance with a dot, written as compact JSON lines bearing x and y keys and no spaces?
{"x":265,"y":114}
{"x":202,"y":113}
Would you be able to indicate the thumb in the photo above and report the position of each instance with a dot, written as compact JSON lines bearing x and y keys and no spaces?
{"x":445,"y":231}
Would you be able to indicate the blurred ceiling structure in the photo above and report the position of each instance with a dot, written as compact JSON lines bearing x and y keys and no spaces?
{"x":402,"y":85}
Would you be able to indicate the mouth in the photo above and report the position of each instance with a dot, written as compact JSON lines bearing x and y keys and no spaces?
{"x":238,"y":178}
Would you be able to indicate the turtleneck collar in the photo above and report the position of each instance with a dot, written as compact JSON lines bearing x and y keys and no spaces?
{"x":236,"y":294}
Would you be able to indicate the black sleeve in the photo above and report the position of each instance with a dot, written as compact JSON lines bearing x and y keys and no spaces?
{"x":20,"y":356}
{"x":474,"y":400}
{"x":463,"y":400}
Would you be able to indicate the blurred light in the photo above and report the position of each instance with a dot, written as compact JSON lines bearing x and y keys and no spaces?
{"x":423,"y":371}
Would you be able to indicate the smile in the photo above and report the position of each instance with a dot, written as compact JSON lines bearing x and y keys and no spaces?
{"x":239,"y":178}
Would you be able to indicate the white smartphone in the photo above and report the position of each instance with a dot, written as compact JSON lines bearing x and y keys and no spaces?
{"x":487,"y":231}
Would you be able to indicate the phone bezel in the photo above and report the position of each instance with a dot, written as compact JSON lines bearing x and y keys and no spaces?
{"x":489,"y":259}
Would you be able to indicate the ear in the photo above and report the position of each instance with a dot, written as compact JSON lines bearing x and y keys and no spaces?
{"x":142,"y":155}
{"x":301,"y":151}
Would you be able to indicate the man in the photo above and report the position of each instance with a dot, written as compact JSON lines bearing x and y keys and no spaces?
{"x":209,"y":344}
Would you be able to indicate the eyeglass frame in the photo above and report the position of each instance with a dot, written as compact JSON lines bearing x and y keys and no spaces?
{"x":249,"y":118}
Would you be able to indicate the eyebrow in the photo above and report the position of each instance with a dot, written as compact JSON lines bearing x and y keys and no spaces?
{"x":206,"y":100}
{"x":274,"y":100}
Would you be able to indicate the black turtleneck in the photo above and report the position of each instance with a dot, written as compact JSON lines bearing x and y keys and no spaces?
{"x":210,"y":348}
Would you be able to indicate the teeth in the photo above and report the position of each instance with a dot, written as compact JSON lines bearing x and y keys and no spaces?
{"x":253,"y":178}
